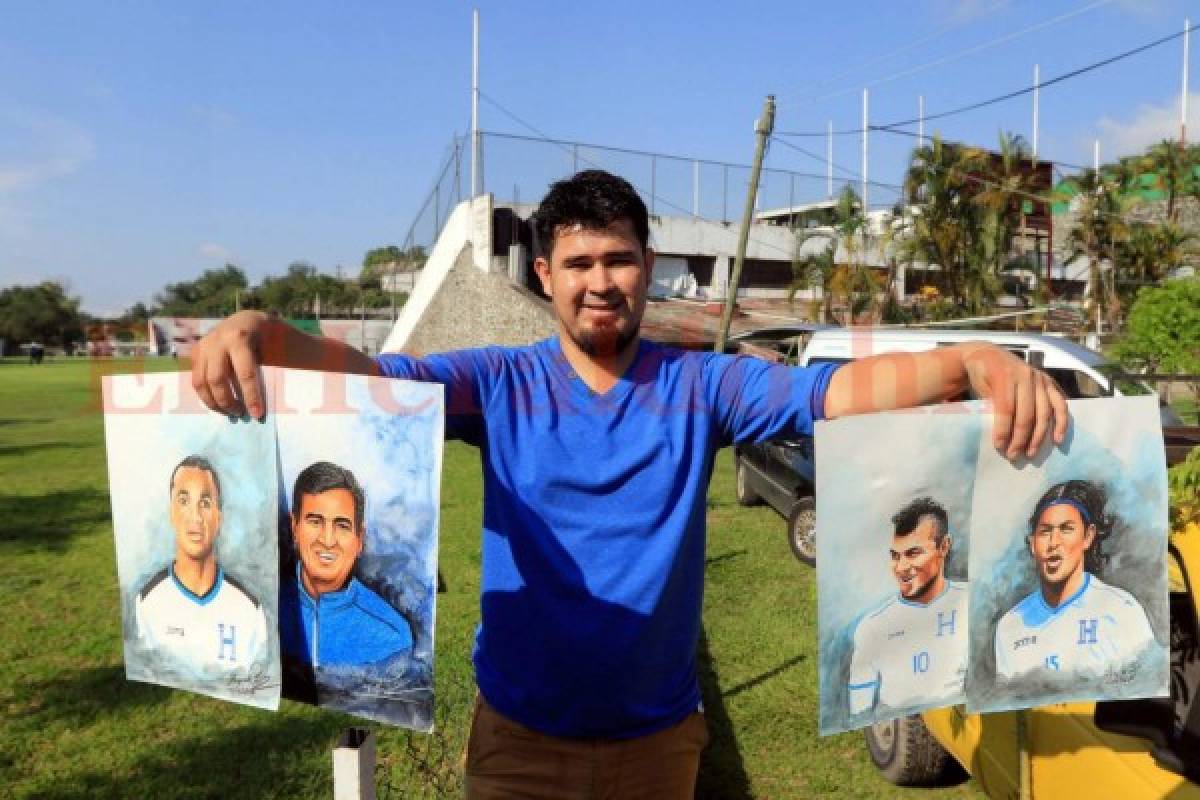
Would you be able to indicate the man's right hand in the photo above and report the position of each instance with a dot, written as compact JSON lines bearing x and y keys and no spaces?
{"x":225,"y":364}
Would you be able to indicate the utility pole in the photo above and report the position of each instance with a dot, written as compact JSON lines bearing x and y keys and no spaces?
{"x":865,"y":128}
{"x":1037,"y":87}
{"x":762,"y":128}
{"x":829,"y":160}
{"x":1187,"y":28}
{"x":475,"y":188}
{"x":920,"y":120}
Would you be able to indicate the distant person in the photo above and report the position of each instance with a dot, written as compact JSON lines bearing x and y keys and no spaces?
{"x":327,"y":616}
{"x":36,"y":352}
{"x":1073,"y":622}
{"x":193,"y":610}
{"x":913,"y":650}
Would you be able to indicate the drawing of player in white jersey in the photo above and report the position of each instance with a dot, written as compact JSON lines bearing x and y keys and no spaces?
{"x":192,"y":610}
{"x":912,"y":651}
{"x":1073,"y":622}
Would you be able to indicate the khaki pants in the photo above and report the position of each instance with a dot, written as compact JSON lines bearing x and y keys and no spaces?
{"x":507,"y":760}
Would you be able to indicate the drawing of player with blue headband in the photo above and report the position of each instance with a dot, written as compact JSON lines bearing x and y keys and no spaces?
{"x":1073,"y":622}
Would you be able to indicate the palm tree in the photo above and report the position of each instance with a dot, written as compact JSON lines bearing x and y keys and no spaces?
{"x":1098,"y":234}
{"x":852,"y":281}
{"x":942,"y":180}
{"x":1174,"y":168}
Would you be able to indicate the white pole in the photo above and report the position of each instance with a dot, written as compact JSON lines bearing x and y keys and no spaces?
{"x":475,"y":188}
{"x":864,"y":152}
{"x":829,"y":160}
{"x":920,"y":120}
{"x":695,"y":188}
{"x":1187,"y":25}
{"x":1037,"y":86}
{"x":1096,"y":156}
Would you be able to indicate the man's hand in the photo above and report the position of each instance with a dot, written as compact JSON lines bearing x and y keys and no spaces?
{"x":225,"y":362}
{"x":225,"y":365}
{"x":1026,"y":402}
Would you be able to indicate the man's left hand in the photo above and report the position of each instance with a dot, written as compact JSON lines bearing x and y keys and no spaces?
{"x":1026,"y":402}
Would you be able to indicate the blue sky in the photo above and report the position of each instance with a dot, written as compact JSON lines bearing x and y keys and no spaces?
{"x":144,"y":141}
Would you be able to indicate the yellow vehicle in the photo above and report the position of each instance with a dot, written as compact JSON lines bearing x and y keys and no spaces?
{"x":1121,"y":750}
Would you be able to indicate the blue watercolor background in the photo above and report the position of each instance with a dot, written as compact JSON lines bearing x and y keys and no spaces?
{"x":142,"y":449}
{"x":1116,"y":443}
{"x":869,"y":467}
{"x":394,"y":449}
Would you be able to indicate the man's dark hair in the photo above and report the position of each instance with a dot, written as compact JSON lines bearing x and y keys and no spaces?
{"x":325,"y":477}
{"x":594,"y":199}
{"x":197,"y":462}
{"x":906,"y":520}
{"x":1089,"y":499}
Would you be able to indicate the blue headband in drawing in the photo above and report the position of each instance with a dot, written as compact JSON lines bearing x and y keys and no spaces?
{"x":1066,"y":501}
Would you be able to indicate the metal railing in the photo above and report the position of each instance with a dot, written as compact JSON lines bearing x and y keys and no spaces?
{"x":519,"y":169}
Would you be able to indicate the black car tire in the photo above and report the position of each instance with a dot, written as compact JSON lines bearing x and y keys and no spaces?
{"x":802,"y":530}
{"x":906,"y":753}
{"x":746,"y":496}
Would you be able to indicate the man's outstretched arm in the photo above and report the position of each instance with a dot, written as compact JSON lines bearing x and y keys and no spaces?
{"x":1027,"y":403}
{"x":225,"y":362}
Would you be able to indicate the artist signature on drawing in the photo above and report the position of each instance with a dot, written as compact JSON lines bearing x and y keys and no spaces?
{"x":1122,"y":674}
{"x":252,"y":681}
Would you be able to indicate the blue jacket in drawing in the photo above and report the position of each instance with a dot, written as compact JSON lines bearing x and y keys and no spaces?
{"x":354,"y":626}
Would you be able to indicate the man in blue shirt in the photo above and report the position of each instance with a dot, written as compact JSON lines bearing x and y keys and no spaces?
{"x":597,"y":447}
{"x":327,"y":617}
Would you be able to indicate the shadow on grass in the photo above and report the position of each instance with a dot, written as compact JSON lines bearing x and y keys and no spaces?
{"x":763,"y":678}
{"x":261,"y":758}
{"x":717,"y":559}
{"x":26,"y":449}
{"x":722,"y":772}
{"x":6,"y":421}
{"x":49,"y":521}
{"x":80,"y":698}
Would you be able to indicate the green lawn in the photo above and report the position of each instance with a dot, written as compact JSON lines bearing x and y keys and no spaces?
{"x":73,"y":726}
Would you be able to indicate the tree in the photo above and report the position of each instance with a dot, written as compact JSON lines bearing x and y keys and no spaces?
{"x":1098,"y":233}
{"x":1148,"y":255}
{"x":942,"y":180}
{"x":213,"y":294}
{"x":385,"y":260}
{"x":1163,"y":330}
{"x":43,"y":313}
{"x":852,"y":282}
{"x":1174,"y":169}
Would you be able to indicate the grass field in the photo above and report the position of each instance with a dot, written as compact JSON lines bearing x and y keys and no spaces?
{"x":73,"y":727}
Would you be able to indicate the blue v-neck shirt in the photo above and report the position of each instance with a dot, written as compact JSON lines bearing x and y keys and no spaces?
{"x":593,"y":520}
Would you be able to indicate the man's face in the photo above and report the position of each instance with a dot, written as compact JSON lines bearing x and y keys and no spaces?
{"x":597,"y":282}
{"x":1058,"y":543}
{"x":195,"y":513}
{"x":327,"y":539}
{"x":917,"y":561}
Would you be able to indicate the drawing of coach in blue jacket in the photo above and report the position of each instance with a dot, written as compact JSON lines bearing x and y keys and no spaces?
{"x":328,"y":618}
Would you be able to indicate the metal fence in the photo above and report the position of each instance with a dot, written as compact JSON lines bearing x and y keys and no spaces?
{"x":519,"y":169}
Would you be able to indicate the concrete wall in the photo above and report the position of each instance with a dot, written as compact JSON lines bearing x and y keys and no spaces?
{"x":472,"y":308}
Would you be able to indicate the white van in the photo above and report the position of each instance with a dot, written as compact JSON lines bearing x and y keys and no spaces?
{"x":1079,"y":371}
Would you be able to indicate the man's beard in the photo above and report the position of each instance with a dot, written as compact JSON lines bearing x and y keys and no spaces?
{"x":594,"y":344}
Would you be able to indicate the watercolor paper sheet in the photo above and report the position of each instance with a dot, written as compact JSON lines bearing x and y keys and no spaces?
{"x":1068,"y":558}
{"x":193,"y":497}
{"x":893,"y":517}
{"x":360,"y":466}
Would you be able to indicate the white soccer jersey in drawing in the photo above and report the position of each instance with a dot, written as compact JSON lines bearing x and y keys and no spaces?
{"x":907,"y":654}
{"x":223,"y":629}
{"x":1097,"y":628}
